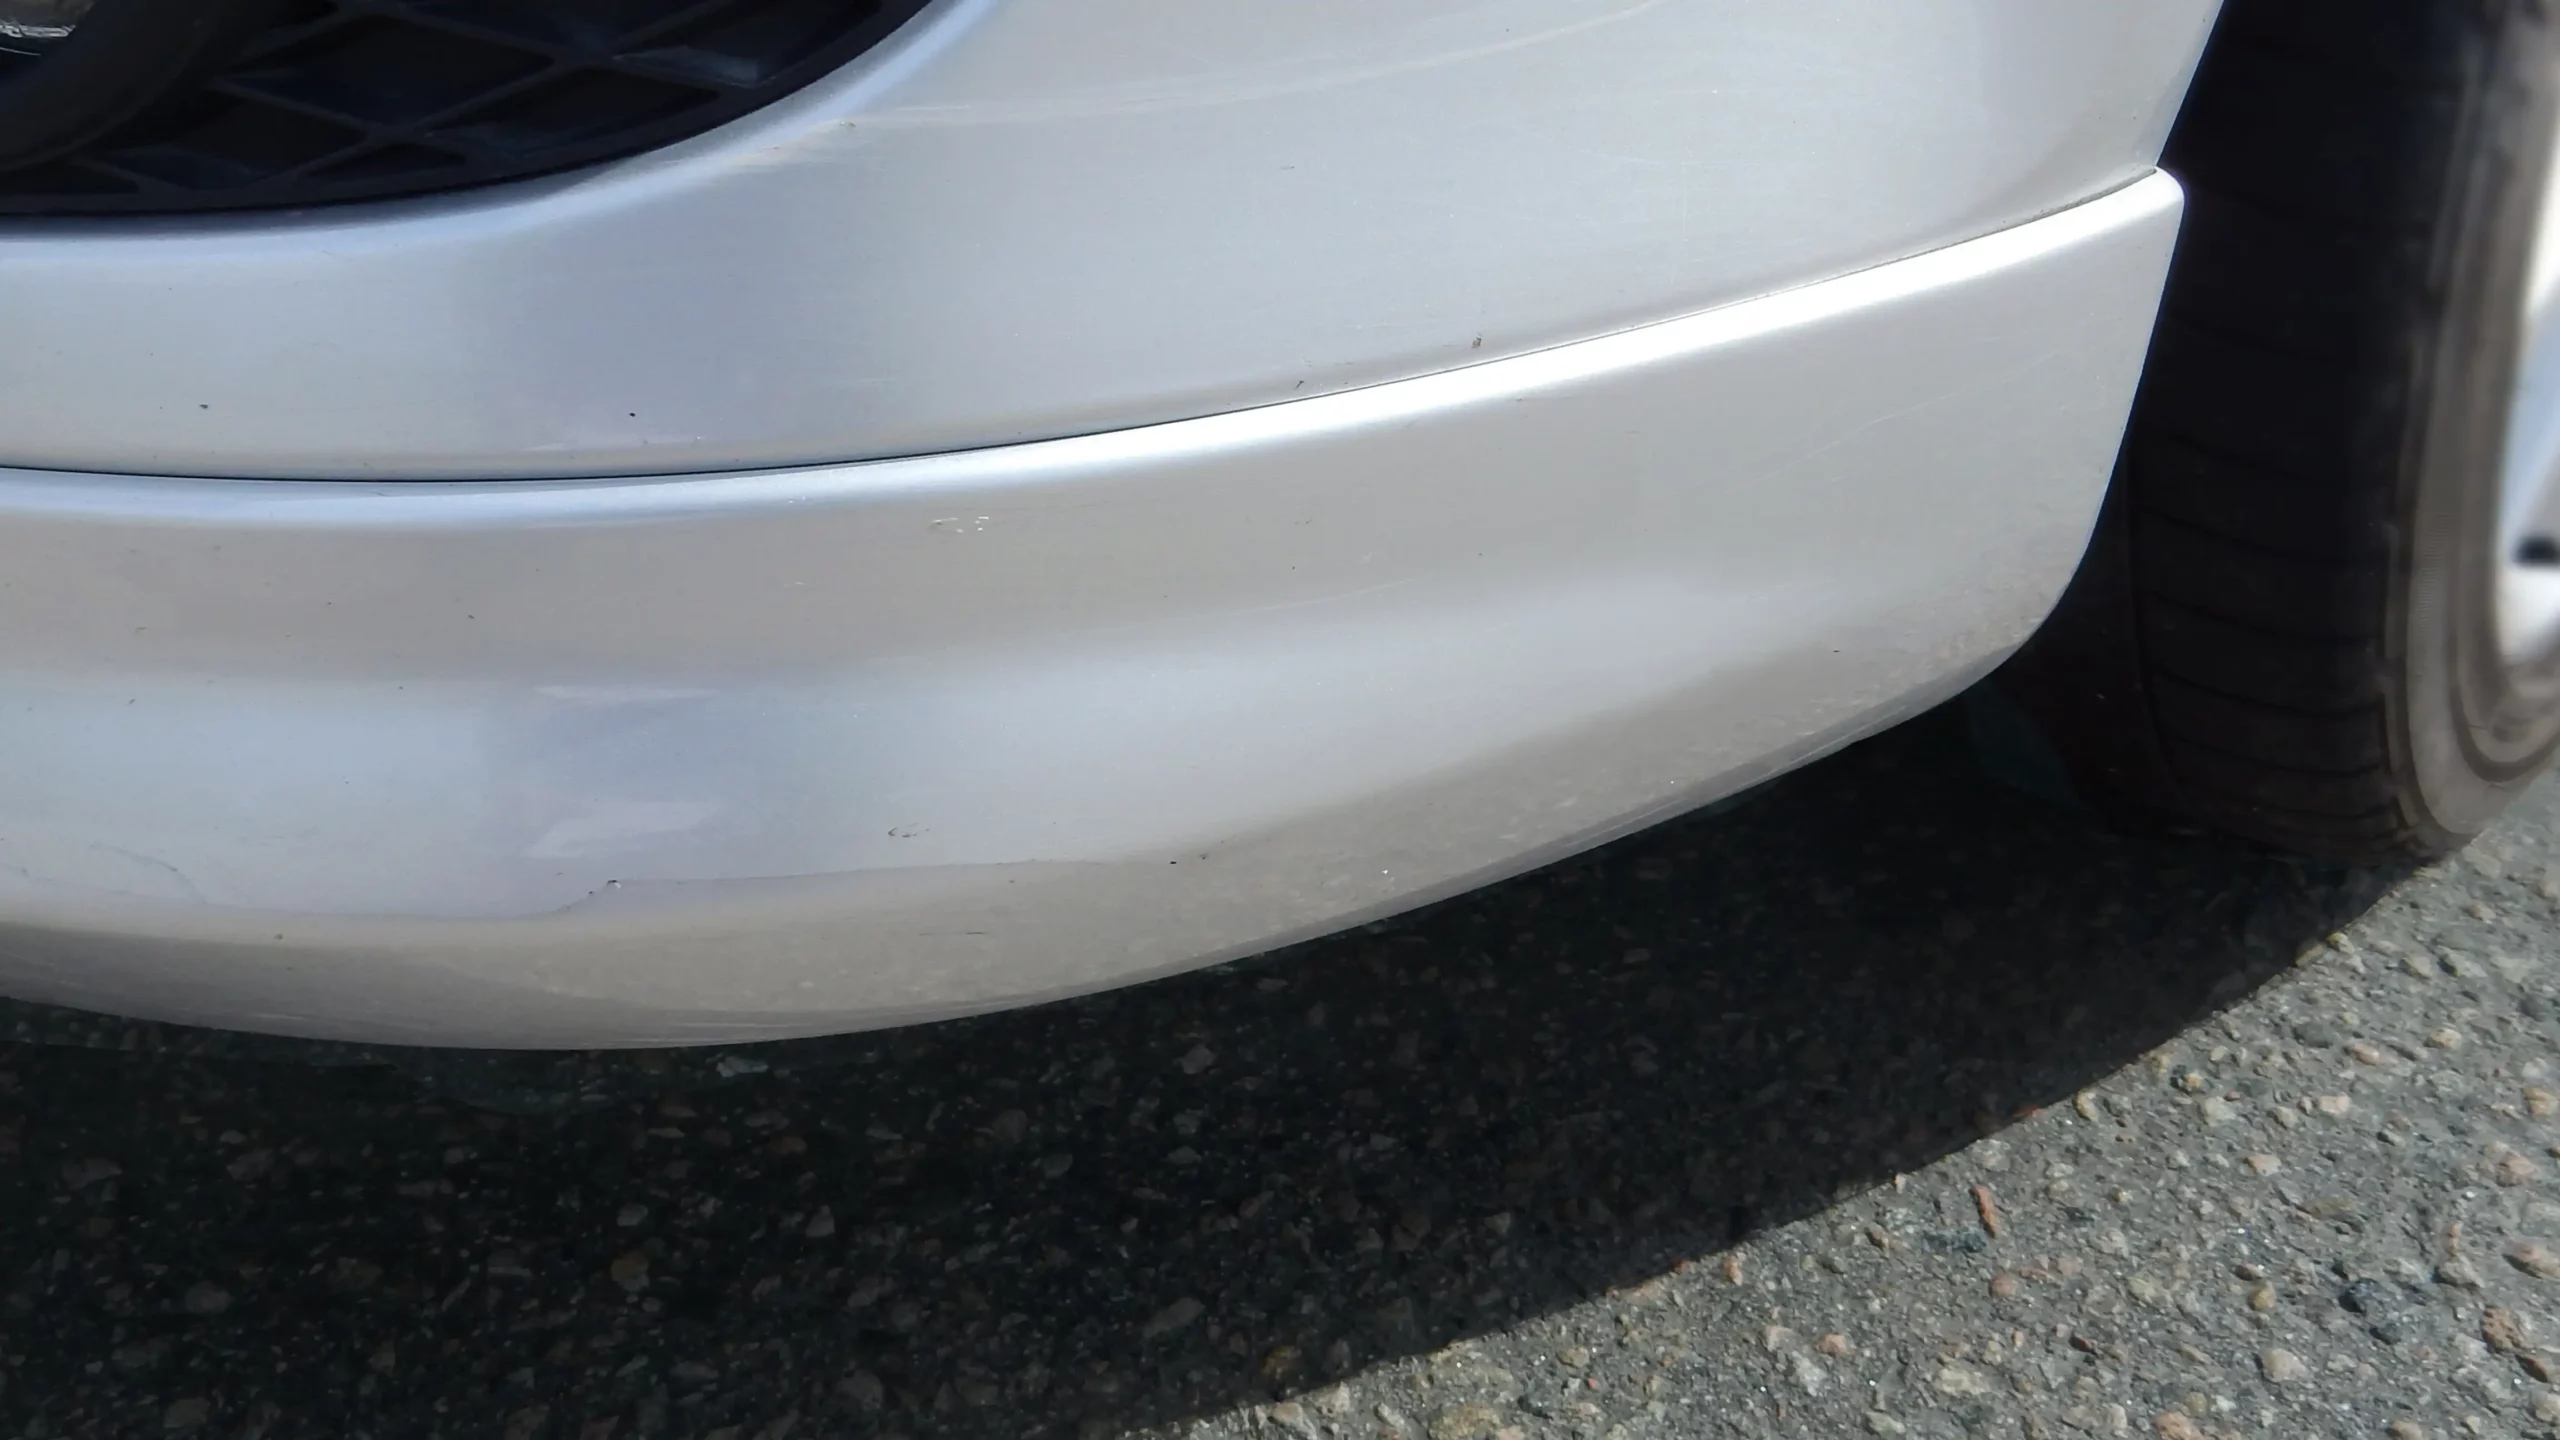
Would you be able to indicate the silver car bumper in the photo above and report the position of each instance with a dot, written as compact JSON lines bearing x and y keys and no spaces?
{"x":574,"y":762}
{"x":1022,"y":219}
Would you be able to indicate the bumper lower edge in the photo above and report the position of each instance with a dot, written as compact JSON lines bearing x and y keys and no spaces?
{"x":729,"y":757}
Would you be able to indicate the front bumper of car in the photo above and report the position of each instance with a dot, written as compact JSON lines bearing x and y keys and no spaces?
{"x":1022,"y":219}
{"x":740,"y":755}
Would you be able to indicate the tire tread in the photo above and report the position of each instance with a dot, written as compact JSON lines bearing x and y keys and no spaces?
{"x":2261,"y":458}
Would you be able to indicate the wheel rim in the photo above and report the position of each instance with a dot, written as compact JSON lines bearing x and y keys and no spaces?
{"x":2528,"y":580}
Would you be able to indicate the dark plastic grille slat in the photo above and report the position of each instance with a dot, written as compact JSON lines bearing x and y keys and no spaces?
{"x":385,"y":74}
{"x":580,"y":106}
{"x":341,"y":100}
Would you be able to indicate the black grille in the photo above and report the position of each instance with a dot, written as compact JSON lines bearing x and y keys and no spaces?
{"x":357,"y":99}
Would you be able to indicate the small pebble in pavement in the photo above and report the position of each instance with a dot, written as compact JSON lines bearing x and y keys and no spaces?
{"x":2283,"y":1367}
{"x":2535,"y":1259}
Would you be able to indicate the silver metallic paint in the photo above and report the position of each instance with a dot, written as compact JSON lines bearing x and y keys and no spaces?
{"x":1027,"y":218}
{"x":560,"y":762}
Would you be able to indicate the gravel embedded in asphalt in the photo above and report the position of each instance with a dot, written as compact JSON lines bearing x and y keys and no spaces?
{"x":1888,"y":1103}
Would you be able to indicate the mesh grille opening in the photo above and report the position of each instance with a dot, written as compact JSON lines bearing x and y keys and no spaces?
{"x":337,"y":100}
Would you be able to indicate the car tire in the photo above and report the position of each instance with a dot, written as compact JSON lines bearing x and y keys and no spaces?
{"x":2289,"y":626}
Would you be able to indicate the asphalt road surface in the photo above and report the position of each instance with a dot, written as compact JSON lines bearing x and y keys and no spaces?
{"x":1888,"y":1103}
